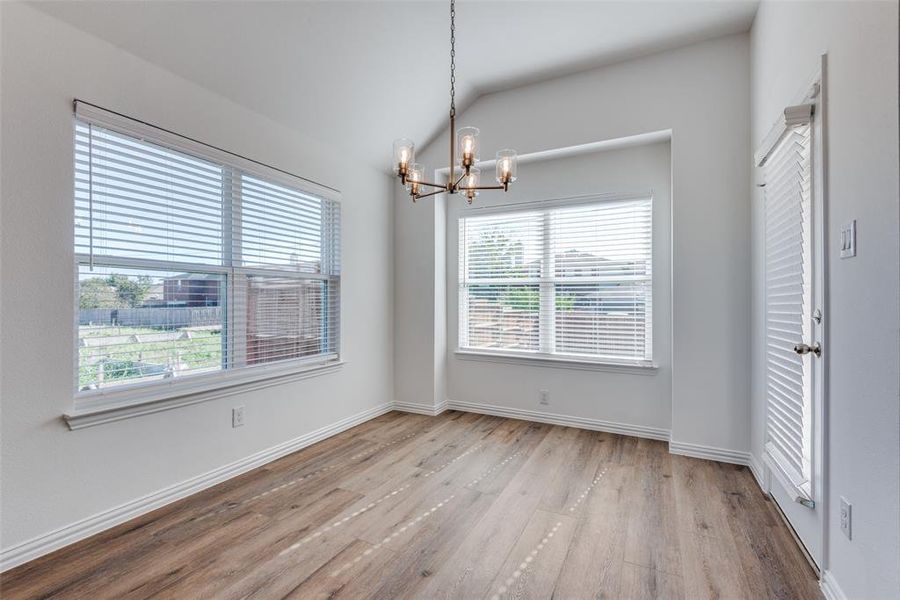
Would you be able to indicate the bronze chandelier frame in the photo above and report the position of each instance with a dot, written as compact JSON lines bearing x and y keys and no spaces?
{"x":454,"y":185}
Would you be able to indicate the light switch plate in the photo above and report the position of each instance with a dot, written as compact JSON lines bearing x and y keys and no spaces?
{"x":848,"y":239}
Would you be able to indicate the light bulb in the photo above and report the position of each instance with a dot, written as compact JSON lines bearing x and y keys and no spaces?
{"x":507,"y":161}
{"x":468,"y":146}
{"x":416,"y":174}
{"x":404,"y":154}
{"x":471,"y":182}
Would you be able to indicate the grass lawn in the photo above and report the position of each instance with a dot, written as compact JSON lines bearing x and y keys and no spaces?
{"x":124,"y":359}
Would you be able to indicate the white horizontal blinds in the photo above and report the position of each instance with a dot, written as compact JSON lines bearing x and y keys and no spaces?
{"x":137,"y":200}
{"x":602,"y":273}
{"x":189,"y":264}
{"x":500,"y":281}
{"x":570,"y":280}
{"x":282,"y":227}
{"x":290,"y":251}
{"x":788,"y":304}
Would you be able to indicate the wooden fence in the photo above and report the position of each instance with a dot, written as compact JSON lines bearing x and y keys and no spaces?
{"x":162,"y":317}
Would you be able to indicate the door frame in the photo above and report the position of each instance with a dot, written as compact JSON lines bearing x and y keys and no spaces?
{"x":815,"y":92}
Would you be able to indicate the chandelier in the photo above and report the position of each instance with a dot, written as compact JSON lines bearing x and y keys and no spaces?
{"x":464,"y":141}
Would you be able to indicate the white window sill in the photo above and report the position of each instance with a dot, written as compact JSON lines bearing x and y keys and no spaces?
{"x":558,"y":362}
{"x":106,"y":406}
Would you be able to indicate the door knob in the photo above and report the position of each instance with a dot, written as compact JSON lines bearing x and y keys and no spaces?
{"x":802,"y":349}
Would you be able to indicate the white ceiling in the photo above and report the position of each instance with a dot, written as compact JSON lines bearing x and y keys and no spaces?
{"x":359,"y":74}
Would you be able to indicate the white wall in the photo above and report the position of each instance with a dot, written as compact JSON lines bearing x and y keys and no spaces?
{"x":701,"y":92}
{"x":416,"y":336}
{"x":51,"y":476}
{"x":642,"y":400}
{"x":864,"y":346}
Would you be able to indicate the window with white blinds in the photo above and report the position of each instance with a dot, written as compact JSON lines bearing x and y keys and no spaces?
{"x":563,"y":280}
{"x":189,"y":264}
{"x":788,"y":305}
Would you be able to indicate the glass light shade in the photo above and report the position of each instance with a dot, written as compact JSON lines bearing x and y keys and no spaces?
{"x":507,"y":161}
{"x":471,"y":181}
{"x":416,"y":174}
{"x":404,"y":154}
{"x":467,"y":139}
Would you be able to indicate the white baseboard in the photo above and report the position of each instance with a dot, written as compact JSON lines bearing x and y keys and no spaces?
{"x":736,"y":457}
{"x":830,"y":588}
{"x":421,"y":409}
{"x":759,"y":473}
{"x":54,"y":540}
{"x":652,"y":433}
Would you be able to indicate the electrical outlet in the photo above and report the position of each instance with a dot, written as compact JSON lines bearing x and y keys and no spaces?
{"x":237,"y":416}
{"x":846,"y":517}
{"x":545,"y":398}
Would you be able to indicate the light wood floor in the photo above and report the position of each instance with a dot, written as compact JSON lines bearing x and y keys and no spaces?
{"x":457,"y":506}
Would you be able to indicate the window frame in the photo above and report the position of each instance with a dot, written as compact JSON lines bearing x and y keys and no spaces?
{"x":545,"y":357}
{"x":140,"y":397}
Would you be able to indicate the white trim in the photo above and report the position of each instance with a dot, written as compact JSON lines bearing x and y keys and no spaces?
{"x":562,"y":202}
{"x":64,"y":536}
{"x":638,"y":139}
{"x":759,"y":473}
{"x":830,"y":588}
{"x":421,"y":409}
{"x":556,"y":361}
{"x":735,"y":457}
{"x":111,"y":408}
{"x":653,"y":433}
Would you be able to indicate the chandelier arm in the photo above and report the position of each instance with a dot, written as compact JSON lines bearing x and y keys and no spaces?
{"x":484,"y":187}
{"x":461,"y":177}
{"x":419,"y":197}
{"x":430,"y":184}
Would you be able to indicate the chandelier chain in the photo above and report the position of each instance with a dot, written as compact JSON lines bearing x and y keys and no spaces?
{"x":452,"y":58}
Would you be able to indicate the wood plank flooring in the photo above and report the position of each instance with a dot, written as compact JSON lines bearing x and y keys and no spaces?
{"x":457,"y":506}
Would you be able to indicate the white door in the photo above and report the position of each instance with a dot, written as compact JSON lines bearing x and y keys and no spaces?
{"x":794,"y":194}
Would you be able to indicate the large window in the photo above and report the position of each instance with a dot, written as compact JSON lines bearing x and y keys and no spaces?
{"x":570,"y":280}
{"x":190,"y":265}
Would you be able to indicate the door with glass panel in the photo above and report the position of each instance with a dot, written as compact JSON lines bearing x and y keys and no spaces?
{"x":791,"y":162}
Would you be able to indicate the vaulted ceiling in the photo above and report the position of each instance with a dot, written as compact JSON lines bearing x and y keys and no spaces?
{"x":359,"y":74}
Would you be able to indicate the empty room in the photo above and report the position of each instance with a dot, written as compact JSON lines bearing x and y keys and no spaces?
{"x":450,"y":299}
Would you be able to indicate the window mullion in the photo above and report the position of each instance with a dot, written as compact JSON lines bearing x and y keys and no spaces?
{"x":463,"y":273}
{"x":236,"y":309}
{"x":547,"y":329}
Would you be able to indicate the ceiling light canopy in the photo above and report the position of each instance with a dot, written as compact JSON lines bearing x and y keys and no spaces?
{"x":464,"y":176}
